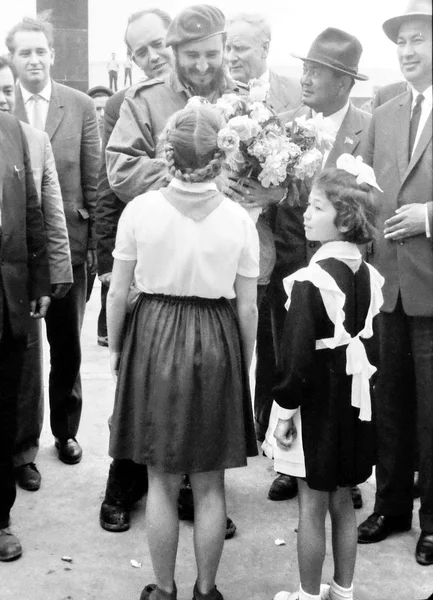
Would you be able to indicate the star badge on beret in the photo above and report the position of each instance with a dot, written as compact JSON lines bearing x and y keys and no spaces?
{"x":198,"y":26}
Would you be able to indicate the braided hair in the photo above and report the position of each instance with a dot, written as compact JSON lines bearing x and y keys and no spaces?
{"x":190,"y":144}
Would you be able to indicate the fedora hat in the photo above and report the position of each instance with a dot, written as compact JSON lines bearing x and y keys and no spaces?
{"x":338,"y":50}
{"x":416,"y":9}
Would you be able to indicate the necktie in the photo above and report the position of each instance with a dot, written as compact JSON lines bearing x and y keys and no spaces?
{"x":414,"y":123}
{"x":38,"y":112}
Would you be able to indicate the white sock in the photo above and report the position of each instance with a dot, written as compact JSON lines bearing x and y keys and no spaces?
{"x":304,"y":596}
{"x":336,"y":592}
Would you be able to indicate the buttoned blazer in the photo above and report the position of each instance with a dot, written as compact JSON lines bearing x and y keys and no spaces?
{"x":293,"y":252}
{"x":23,"y":255}
{"x":388,"y":92}
{"x":285,"y":93}
{"x":72,"y":128}
{"x":50,"y":196}
{"x":406,"y":265}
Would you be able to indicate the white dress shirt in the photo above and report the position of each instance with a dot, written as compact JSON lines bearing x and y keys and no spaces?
{"x":332,"y":124}
{"x":29,"y":102}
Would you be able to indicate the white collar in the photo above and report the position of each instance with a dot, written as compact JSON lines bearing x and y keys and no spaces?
{"x":338,"y":250}
{"x":334,"y":121}
{"x":45,"y":93}
{"x":195,"y":188}
{"x":426,"y":93}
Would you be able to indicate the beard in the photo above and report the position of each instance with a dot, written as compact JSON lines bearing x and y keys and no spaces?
{"x":188,"y":76}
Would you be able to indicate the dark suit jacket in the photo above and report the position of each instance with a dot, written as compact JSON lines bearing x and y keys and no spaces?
{"x":388,"y":92}
{"x":293,"y":252}
{"x":24,"y":270}
{"x":73,"y":131}
{"x":108,"y":206}
{"x":406,"y":265}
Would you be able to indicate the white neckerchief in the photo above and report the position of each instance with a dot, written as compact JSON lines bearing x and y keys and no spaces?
{"x":357,"y":363}
{"x":426,"y":107}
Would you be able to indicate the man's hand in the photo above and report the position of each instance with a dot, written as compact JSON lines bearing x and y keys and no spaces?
{"x":59,"y":290}
{"x":105,"y":278}
{"x":251,"y":194}
{"x":92,"y":261}
{"x":39,"y":307}
{"x":285,"y":433}
{"x":114,"y":364}
{"x":409,"y":220}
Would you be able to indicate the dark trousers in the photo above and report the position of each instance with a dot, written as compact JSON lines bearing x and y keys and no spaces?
{"x":404,"y":414}
{"x":30,"y":409}
{"x":112,"y":78}
{"x":11,"y":359}
{"x":64,"y":321}
{"x":128,"y":75}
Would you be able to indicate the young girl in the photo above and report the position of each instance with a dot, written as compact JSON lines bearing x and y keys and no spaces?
{"x":182,"y":402}
{"x":320,"y":430}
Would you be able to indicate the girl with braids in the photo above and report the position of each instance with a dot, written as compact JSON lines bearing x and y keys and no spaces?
{"x":182,"y":403}
{"x":320,"y":429}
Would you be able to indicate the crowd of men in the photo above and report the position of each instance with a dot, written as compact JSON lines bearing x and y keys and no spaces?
{"x":63,"y":189}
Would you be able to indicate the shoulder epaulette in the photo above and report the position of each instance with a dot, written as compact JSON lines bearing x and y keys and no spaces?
{"x":133,"y":90}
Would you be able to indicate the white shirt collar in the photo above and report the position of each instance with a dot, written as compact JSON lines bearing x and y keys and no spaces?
{"x":334,"y":121}
{"x":427,"y":96}
{"x":195,"y":188}
{"x":45,"y":93}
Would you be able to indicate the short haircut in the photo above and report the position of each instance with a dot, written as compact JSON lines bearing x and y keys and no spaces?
{"x":354,"y":203}
{"x":6,"y":63}
{"x":258,"y":21}
{"x":40,"y":23}
{"x":165,"y":18}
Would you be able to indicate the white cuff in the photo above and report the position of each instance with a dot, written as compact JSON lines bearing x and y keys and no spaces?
{"x":427,"y":222}
{"x":285,"y":413}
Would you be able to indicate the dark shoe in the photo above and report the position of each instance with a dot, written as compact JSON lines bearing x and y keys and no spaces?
{"x":103,"y":340}
{"x":416,"y":492}
{"x":70,"y":451}
{"x":284,"y":487}
{"x":28,"y":477}
{"x":10,"y":547}
{"x":378,"y":527}
{"x":212,"y":595}
{"x":114,"y":517}
{"x":152,"y":592}
{"x":424,"y":549}
{"x":356,"y":496}
{"x":230,"y":529}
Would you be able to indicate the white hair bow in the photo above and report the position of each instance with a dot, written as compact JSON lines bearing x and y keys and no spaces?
{"x":356,"y":166}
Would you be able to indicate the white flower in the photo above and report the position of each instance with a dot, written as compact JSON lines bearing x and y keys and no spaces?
{"x":197,"y":101}
{"x":230,"y":105}
{"x":260,"y":112}
{"x":228,"y":140}
{"x":274,"y":170}
{"x":308,"y":164}
{"x":246,"y":128}
{"x":258,"y":90}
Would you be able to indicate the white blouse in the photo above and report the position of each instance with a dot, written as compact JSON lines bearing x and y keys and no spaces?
{"x":182,"y":256}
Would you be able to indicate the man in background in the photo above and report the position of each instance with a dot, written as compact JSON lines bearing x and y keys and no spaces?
{"x":113,"y":72}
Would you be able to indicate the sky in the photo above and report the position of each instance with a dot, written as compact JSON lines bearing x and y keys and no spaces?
{"x":295,"y":24}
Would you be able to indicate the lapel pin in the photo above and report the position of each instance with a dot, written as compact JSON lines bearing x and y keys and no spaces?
{"x":348,"y":140}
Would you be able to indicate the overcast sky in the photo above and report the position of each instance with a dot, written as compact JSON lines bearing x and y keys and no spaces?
{"x":295,"y":23}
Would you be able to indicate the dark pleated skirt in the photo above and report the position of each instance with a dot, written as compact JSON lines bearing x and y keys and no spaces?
{"x":182,"y":400}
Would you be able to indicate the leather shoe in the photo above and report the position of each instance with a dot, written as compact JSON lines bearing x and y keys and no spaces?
{"x":424,"y":549}
{"x":284,"y":487}
{"x":114,"y":517}
{"x":356,"y":496}
{"x":28,"y":477}
{"x":10,"y":547}
{"x":70,"y":451}
{"x":378,"y":527}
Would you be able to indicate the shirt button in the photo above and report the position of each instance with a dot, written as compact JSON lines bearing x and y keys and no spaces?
{"x":312,"y":244}
{"x":401,"y":242}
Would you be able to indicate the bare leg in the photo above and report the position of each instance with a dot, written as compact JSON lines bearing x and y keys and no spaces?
{"x":313,"y":506}
{"x":163,"y":525}
{"x":209,"y":525}
{"x":344,"y":536}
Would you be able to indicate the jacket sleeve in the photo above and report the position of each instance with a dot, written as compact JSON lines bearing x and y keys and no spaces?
{"x":90,"y":156}
{"x":59,"y":253}
{"x":295,"y":372}
{"x":132,"y":164}
{"x":37,"y":256}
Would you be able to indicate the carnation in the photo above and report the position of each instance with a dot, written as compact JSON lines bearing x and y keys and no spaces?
{"x":246,"y":128}
{"x":260,"y":112}
{"x":308,"y":164}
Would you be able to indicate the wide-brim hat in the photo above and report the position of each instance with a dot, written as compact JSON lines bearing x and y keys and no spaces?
{"x":195,"y":23}
{"x":416,"y":9}
{"x":99,"y":90}
{"x":338,"y":50}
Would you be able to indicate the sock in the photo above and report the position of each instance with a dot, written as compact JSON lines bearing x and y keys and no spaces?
{"x":337,"y":592}
{"x":304,"y":596}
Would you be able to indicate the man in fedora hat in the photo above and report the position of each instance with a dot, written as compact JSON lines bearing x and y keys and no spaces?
{"x":329,"y":73}
{"x":400,"y":151}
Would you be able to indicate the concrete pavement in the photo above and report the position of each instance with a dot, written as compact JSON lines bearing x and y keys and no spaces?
{"x":61,"y":520}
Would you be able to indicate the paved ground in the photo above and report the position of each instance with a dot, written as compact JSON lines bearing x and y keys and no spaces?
{"x":61,"y":519}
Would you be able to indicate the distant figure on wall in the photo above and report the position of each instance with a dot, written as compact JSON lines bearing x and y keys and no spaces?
{"x":113,"y":72}
{"x":128,"y":70}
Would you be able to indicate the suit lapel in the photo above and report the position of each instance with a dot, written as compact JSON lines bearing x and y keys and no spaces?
{"x":400,"y":125}
{"x":424,"y":139}
{"x":347,"y":139}
{"x":20,"y":109}
{"x":55,"y":110}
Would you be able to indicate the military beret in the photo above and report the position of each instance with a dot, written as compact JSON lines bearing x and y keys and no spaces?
{"x":99,"y":90}
{"x":195,"y":23}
